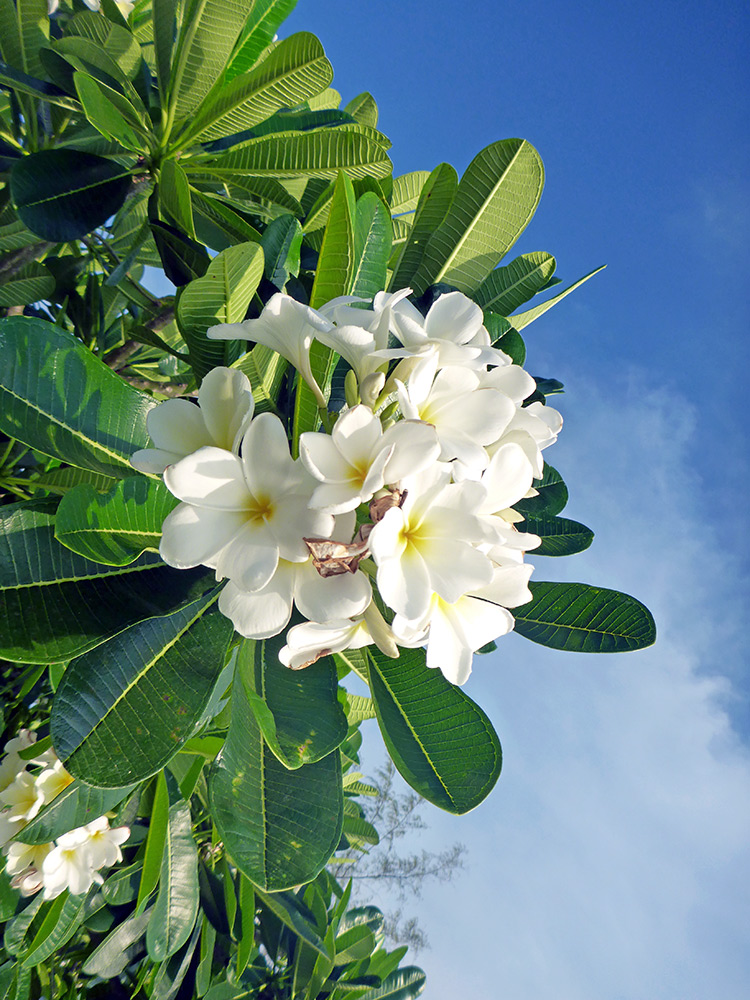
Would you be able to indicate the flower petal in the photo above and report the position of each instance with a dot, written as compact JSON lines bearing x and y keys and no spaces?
{"x":263,"y":614}
{"x":226,"y":401}
{"x":193,"y":536}
{"x":211,"y":478}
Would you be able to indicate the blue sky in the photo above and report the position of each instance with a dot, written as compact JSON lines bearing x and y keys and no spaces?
{"x":611,"y":859}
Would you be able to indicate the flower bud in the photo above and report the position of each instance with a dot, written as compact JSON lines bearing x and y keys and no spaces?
{"x":372,"y":386}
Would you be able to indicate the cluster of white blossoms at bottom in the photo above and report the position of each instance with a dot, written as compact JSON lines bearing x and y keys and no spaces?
{"x":396,"y":528}
{"x":75,"y":859}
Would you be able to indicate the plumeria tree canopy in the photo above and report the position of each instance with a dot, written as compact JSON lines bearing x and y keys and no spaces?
{"x":320,"y":458}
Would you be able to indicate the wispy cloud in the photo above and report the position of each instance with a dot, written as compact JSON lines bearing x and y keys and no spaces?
{"x":611,"y":860}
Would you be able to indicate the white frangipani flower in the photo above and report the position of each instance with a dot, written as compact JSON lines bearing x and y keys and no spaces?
{"x":287,"y":327}
{"x":104,"y":842}
{"x":240,"y":515}
{"x":428,"y":544}
{"x":24,"y":864}
{"x":178,"y":428}
{"x":466,"y":416}
{"x":69,"y":865}
{"x":312,"y":640}
{"x":23,"y":797}
{"x":453,"y":327}
{"x":360,"y":336}
{"x":358,"y":458}
{"x":52,"y":781}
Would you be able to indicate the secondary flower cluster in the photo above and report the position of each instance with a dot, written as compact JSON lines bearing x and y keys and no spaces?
{"x":411,"y":486}
{"x":71,"y":862}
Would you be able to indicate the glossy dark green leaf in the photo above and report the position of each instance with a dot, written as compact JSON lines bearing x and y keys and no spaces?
{"x":75,"y":806}
{"x":507,"y":288}
{"x":17,"y":928}
{"x":124,"y":709}
{"x":63,"y":194}
{"x":59,"y":399}
{"x":560,"y":536}
{"x":373,"y":235}
{"x":496,"y":199}
{"x":121,"y":885}
{"x":176,"y":906}
{"x":182,"y":258}
{"x":286,"y":908}
{"x":22,"y":83}
{"x":584,"y":619}
{"x":115,"y":527}
{"x":280,"y":827}
{"x":439,"y":739}
{"x":55,"y":605}
{"x":435,"y":199}
{"x":297,"y":710}
{"x":155,"y":841}
{"x":552,"y":494}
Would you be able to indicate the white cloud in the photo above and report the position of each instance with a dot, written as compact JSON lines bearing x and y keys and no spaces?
{"x":611,"y":860}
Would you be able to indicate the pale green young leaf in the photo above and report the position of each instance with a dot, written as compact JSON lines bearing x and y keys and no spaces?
{"x":164,"y":14}
{"x":258,"y":33}
{"x":336,"y":261}
{"x":174,"y":197}
{"x":363,"y":109}
{"x":520,"y":320}
{"x":373,"y":236}
{"x":406,"y":191}
{"x":110,"y":112}
{"x":265,"y":369}
{"x":495,"y":201}
{"x":507,"y":288}
{"x":294,"y":70}
{"x":209,"y":31}
{"x":328,"y":100}
{"x":435,"y":199}
{"x":33,"y":22}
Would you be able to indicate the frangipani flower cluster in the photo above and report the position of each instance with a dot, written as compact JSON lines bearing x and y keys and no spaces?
{"x":394,"y":526}
{"x":75,"y":859}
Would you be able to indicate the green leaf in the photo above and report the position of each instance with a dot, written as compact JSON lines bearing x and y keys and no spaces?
{"x":121,"y":886}
{"x":584,"y":619}
{"x":114,"y":528}
{"x":116,"y":951}
{"x":494,"y":203}
{"x":552,"y":494}
{"x":265,"y":369}
{"x":363,"y":109}
{"x":560,"y":536}
{"x":75,"y":806}
{"x":279,"y":826}
{"x":297,"y":710}
{"x":520,"y":320}
{"x":285,"y":907}
{"x":110,"y":112}
{"x":164,"y":20}
{"x":55,"y":605}
{"x":439,"y":739}
{"x":33,"y":21}
{"x":260,"y":28}
{"x":17,"y":928}
{"x":174,"y":196}
{"x":281,"y":244}
{"x":32,"y":283}
{"x":406,"y":191}
{"x":302,"y":154}
{"x":294,"y":70}
{"x":403,"y":984}
{"x":62,"y":921}
{"x":21,"y":83}
{"x":218,"y":225}
{"x":123,"y":710}
{"x":183,"y":259}
{"x":336,"y":261}
{"x":435,"y":199}
{"x":59,"y":399}
{"x":209,"y":32}
{"x":10,"y":36}
{"x":176,"y":906}
{"x":61,"y":481}
{"x":373,"y":235}
{"x":354,"y":944}
{"x":64,"y":194}
{"x":507,"y":288}
{"x":157,"y":838}
{"x":222,"y":295}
